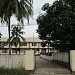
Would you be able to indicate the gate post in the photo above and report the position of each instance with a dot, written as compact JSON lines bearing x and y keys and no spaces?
{"x":29,"y":60}
{"x":72,"y":61}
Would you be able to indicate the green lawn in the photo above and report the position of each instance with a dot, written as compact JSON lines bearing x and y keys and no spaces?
{"x":21,"y":71}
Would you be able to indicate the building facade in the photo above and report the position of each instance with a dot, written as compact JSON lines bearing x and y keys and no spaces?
{"x":30,"y":44}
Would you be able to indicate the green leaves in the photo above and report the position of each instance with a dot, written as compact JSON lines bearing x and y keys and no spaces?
{"x":44,"y":43}
{"x":22,"y":8}
{"x":57,"y":23}
{"x":16,"y":35}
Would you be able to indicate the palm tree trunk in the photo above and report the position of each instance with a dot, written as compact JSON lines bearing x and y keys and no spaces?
{"x":9,"y":36}
{"x":48,"y":49}
{"x":16,"y":49}
{"x":19,"y":49}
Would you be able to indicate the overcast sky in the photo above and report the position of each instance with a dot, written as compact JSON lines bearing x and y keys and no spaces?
{"x":29,"y":29}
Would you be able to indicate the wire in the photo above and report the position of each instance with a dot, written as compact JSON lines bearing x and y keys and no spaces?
{"x":35,"y":11}
{"x":23,"y":25}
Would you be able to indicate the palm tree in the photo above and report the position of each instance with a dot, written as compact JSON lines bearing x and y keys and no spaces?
{"x":20,"y":8}
{"x":0,"y":35}
{"x":0,"y":38}
{"x":16,"y":38}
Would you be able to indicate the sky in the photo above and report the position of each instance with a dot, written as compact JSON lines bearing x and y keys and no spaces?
{"x":31,"y":28}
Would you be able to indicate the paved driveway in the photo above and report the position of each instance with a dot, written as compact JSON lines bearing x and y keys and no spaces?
{"x":42,"y":63}
{"x":44,"y":67}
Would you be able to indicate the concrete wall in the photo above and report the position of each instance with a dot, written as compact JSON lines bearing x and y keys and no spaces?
{"x":26,"y":61}
{"x":63,"y":57}
{"x":12,"y":61}
{"x":72,"y":60}
{"x":47,"y":57}
{"x":30,"y":60}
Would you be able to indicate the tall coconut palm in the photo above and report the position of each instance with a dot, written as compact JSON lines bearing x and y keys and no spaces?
{"x":20,"y":8}
{"x":0,"y":35}
{"x":16,"y":38}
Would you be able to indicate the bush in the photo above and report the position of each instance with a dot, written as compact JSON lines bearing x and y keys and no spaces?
{"x":13,"y":71}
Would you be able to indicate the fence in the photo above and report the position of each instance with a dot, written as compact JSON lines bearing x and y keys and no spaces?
{"x":61,"y":56}
{"x":12,"y":61}
{"x":26,"y":61}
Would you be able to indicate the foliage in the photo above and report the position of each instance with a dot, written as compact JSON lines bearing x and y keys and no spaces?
{"x":56,"y":25}
{"x":20,"y":8}
{"x":16,"y":38}
{"x":71,"y":3}
{"x":13,"y":71}
{"x":44,"y":43}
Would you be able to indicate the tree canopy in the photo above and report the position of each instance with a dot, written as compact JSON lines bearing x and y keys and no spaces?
{"x":57,"y":25}
{"x":16,"y":35}
{"x":20,"y":8}
{"x":16,"y":38}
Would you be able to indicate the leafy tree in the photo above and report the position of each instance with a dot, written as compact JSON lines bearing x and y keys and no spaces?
{"x":56,"y":25}
{"x":71,"y":3}
{"x":19,"y":8}
{"x":16,"y":38}
{"x":44,"y":43}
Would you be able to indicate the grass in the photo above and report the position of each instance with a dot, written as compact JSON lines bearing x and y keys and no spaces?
{"x":12,"y":71}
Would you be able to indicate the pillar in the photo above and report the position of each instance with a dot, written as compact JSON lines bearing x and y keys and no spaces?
{"x":30,"y":60}
{"x":72,"y":60}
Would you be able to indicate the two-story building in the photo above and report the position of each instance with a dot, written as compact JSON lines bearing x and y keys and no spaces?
{"x":30,"y":44}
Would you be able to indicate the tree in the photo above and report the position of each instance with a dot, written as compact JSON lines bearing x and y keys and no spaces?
{"x":0,"y":35}
{"x":56,"y":25}
{"x":0,"y":38}
{"x":71,"y":3}
{"x":20,"y":8}
{"x":16,"y":38}
{"x":44,"y":43}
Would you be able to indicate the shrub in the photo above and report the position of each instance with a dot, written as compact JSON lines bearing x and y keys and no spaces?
{"x":13,"y":71}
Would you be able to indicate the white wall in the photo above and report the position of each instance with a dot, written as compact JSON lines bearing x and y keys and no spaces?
{"x":47,"y":57}
{"x":30,"y":60}
{"x":63,"y":56}
{"x":72,"y":60}
{"x":12,"y":61}
{"x":26,"y":61}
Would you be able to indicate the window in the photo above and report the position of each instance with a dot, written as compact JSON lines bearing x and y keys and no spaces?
{"x":1,"y":44}
{"x":13,"y":50}
{"x":35,"y":51}
{"x":5,"y":44}
{"x":34,"y":44}
{"x":23,"y":44}
{"x":4,"y":51}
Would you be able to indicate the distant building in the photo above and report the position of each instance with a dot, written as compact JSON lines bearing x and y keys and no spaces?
{"x":30,"y":44}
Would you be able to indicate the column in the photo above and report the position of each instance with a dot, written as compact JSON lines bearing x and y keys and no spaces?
{"x":72,"y":60}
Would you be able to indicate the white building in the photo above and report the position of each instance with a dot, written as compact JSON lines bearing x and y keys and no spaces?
{"x":30,"y":44}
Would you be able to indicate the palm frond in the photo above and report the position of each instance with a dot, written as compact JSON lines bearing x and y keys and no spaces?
{"x":22,"y":38}
{"x":16,"y":37}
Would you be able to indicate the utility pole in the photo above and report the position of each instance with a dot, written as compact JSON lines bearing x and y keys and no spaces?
{"x":0,"y":38}
{"x":34,"y":49}
{"x":33,"y":41}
